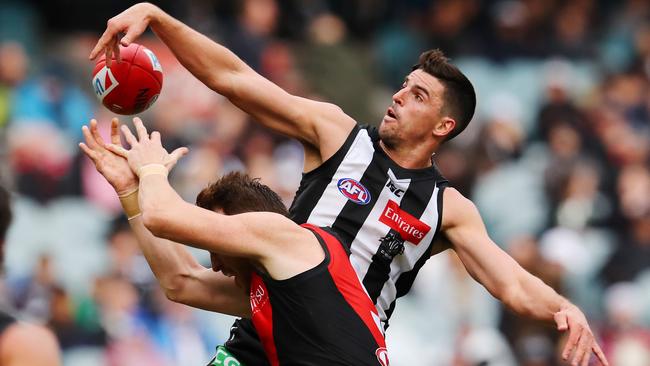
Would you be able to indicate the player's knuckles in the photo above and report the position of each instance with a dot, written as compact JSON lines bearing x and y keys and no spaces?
{"x":111,"y":25}
{"x":579,"y":326}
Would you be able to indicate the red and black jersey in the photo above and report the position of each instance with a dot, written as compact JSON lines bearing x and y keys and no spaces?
{"x":322,"y":316}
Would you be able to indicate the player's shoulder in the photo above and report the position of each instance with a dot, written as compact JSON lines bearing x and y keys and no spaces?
{"x":24,"y":332}
{"x":457,"y":208}
{"x":20,"y":340}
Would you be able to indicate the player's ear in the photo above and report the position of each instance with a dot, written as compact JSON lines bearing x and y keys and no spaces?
{"x":444,"y":127}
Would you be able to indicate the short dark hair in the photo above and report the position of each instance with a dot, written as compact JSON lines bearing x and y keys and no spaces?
{"x":5,"y":219}
{"x":237,"y":193}
{"x":459,"y":98}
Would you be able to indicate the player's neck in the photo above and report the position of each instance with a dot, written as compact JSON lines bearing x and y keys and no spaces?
{"x":418,"y":158}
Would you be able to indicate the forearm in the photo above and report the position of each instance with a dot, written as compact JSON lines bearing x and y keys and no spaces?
{"x":531,"y":297}
{"x":213,"y":65}
{"x":184,"y":280}
{"x":170,"y":262}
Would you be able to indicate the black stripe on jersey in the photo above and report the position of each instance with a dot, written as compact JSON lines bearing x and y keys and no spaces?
{"x":304,"y":202}
{"x":415,"y":201}
{"x":353,"y":215}
{"x":406,"y":279}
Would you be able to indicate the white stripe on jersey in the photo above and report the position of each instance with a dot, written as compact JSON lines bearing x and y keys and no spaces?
{"x":356,"y":161}
{"x":406,"y":262}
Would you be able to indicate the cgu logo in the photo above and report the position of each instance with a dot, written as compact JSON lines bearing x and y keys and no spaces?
{"x":382,"y":356}
{"x":354,"y":191}
{"x":104,"y":82}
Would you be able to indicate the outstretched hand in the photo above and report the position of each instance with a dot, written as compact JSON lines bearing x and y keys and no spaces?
{"x":132,"y":23}
{"x":581,"y":342}
{"x":146,"y":149}
{"x":113,"y":167}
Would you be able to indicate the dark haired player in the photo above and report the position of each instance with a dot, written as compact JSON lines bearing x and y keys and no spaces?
{"x":305,"y":301}
{"x":22,"y":344}
{"x":377,"y":188}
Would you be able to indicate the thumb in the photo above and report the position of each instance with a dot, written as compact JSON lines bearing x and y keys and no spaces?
{"x":175,"y":156}
{"x":118,"y":150}
{"x":561,"y":320}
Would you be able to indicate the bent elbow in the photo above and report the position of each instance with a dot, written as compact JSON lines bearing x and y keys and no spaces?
{"x":174,"y":288}
{"x":154,"y":221}
{"x":173,"y":295}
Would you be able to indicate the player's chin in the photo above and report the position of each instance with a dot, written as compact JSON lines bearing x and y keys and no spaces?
{"x":387,"y":129}
{"x":239,"y":282}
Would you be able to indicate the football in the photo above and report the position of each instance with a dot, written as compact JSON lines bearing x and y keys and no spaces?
{"x":132,"y":85}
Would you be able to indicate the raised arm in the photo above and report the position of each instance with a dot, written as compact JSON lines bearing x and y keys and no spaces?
{"x":267,"y":239}
{"x":506,"y":280}
{"x":181,"y":277}
{"x":321,"y":127}
{"x":185,"y":280}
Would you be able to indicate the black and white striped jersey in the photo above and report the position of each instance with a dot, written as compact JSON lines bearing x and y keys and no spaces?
{"x":386,"y":215}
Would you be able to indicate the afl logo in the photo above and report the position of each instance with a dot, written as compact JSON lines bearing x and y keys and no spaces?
{"x":382,"y":356}
{"x":354,"y":191}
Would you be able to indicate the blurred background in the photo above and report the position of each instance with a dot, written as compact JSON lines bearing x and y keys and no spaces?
{"x":557,"y":159}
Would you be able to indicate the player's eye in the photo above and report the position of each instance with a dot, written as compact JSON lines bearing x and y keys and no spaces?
{"x":419,"y":98}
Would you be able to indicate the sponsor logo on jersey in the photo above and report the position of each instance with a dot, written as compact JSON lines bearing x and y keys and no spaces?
{"x":391,"y":245}
{"x":224,"y":358}
{"x":382,"y":356}
{"x":104,"y":82}
{"x":258,"y":296}
{"x":394,"y":190}
{"x":408,"y":226}
{"x":354,"y":191}
{"x":155,"y":64}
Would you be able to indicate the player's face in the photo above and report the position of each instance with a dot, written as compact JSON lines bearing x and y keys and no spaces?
{"x":232,"y":267}
{"x":415,"y":111}
{"x":239,"y":268}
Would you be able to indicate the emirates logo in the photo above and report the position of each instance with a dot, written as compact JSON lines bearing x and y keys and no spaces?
{"x":408,"y":226}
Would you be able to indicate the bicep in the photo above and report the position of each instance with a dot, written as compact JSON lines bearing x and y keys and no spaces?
{"x":485,"y":261}
{"x":248,"y":235}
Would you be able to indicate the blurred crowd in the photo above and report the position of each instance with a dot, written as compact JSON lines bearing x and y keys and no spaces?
{"x":557,"y":159}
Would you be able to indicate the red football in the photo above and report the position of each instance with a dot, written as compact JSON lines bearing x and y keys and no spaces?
{"x":132,"y":85}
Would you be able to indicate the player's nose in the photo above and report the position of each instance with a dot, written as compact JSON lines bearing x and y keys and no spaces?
{"x":398,"y":97}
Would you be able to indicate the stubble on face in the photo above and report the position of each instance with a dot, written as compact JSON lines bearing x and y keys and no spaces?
{"x":388,"y":135}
